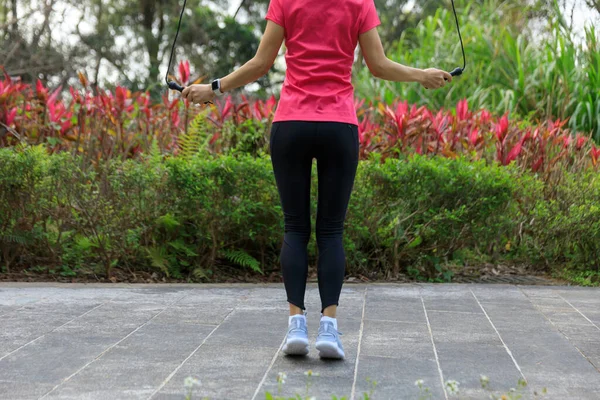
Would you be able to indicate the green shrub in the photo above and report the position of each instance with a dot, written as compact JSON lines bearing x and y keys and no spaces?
{"x":567,"y":227}
{"x":422,"y":210}
{"x":195,"y":217}
{"x":21,"y":173}
{"x":226,"y":203}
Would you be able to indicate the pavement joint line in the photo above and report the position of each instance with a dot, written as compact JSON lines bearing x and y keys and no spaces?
{"x":437,"y":360}
{"x":264,"y":378}
{"x":454,"y":312}
{"x":499,"y":336}
{"x":576,"y":309}
{"x":360,"y":335}
{"x":562,"y":333}
{"x":112,"y":346}
{"x":188,"y":357}
{"x":392,"y":321}
{"x":172,"y":374}
{"x":388,"y":357}
{"x":58,"y":327}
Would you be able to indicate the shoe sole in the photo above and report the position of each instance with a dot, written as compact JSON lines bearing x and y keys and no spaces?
{"x":329,"y":350}
{"x":296,"y":346}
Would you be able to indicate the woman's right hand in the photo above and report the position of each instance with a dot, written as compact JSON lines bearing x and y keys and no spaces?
{"x":433,"y":78}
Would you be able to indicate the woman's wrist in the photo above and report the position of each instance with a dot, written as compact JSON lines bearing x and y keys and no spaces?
{"x":419,"y":75}
{"x":224,"y":82}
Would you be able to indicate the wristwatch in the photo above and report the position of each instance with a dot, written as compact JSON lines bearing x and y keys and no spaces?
{"x":216,"y":87}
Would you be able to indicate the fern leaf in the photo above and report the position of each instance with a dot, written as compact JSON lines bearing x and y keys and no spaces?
{"x":14,"y":239}
{"x":155,"y":154}
{"x":168,"y":221}
{"x":192,"y":141}
{"x":199,"y":273}
{"x":243,"y":259}
{"x":158,"y":258}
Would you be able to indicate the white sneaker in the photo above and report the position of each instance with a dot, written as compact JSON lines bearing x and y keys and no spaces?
{"x":296,"y":342}
{"x":328,"y":341}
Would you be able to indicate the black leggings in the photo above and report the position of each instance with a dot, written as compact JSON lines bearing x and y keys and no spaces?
{"x":293,"y":145}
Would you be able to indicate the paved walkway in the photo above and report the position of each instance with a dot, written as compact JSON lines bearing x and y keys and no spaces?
{"x":142,"y":341}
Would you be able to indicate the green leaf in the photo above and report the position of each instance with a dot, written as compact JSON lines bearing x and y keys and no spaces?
{"x":158,"y":258}
{"x":168,"y":221}
{"x":415,"y":242}
{"x":242,"y":258}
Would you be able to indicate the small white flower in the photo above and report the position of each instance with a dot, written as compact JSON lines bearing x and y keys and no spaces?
{"x":191,"y":382}
{"x":484,"y":380}
{"x":281,"y":377}
{"x":419,"y":382}
{"x":313,"y":398}
{"x":452,"y":387}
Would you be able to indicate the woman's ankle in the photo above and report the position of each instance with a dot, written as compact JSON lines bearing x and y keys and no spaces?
{"x":295,"y":310}
{"x":330,"y":311}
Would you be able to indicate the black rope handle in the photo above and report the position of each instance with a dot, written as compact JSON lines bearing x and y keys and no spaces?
{"x":172,"y":84}
{"x":458,"y":70}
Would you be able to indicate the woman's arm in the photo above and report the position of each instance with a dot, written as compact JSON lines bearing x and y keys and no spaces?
{"x":384,"y":68}
{"x":258,"y":66}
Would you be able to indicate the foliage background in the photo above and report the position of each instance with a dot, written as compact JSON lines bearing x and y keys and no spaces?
{"x":103,"y":172}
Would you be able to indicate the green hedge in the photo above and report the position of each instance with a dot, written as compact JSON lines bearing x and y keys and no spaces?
{"x":190,"y":217}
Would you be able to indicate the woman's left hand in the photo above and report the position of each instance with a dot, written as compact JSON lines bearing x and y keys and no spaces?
{"x":198,"y":94}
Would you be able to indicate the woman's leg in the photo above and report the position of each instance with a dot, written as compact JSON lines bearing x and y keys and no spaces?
{"x":336,"y":148}
{"x":291,"y":156}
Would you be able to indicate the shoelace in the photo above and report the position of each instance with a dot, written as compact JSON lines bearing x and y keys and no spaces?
{"x":329,"y":325}
{"x":297,"y":326}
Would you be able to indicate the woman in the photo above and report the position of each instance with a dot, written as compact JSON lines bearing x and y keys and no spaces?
{"x":316,"y":118}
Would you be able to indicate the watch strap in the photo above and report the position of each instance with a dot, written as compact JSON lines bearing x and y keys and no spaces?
{"x":216,"y":87}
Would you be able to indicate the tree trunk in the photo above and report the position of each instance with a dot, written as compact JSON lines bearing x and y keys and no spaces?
{"x":15,"y":17}
{"x":262,"y":256}
{"x":47,"y":11}
{"x":99,"y":53}
{"x":148,"y":12}
{"x":396,"y":269}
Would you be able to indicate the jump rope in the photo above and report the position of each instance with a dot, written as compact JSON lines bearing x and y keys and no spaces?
{"x":175,"y":86}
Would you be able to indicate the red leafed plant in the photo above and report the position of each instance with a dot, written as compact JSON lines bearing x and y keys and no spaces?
{"x":125,"y":124}
{"x":404,"y":129}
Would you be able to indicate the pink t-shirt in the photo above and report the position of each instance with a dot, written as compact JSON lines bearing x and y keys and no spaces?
{"x":320,"y":37}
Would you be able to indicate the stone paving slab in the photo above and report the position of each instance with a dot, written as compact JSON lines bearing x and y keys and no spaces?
{"x":123,"y":341}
